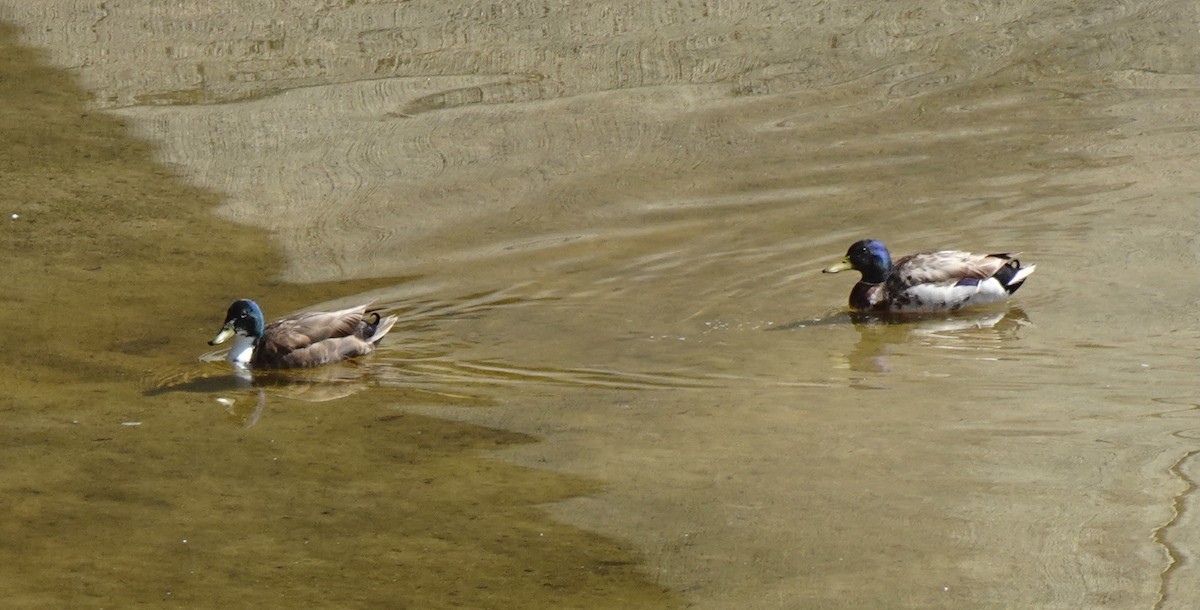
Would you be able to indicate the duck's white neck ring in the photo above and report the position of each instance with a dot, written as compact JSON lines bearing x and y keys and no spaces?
{"x":241,"y":350}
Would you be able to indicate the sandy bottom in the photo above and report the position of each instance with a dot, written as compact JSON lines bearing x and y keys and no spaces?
{"x":619,"y":378}
{"x":114,"y":497}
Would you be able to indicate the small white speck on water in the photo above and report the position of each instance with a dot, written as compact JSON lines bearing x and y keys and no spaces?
{"x":131,"y":423}
{"x":16,"y":216}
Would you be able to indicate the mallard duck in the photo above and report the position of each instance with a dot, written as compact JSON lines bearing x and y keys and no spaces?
{"x":303,"y":340}
{"x":930,"y":281}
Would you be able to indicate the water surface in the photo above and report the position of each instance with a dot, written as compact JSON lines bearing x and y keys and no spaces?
{"x":603,"y":228}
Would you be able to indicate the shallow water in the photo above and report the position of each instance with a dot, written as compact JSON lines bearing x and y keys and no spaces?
{"x":619,"y":376}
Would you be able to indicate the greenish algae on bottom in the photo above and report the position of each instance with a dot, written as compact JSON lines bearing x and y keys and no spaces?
{"x":115,"y":268}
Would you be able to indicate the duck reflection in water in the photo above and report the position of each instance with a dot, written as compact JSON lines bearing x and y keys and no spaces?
{"x":879,"y":334}
{"x":244,"y":396}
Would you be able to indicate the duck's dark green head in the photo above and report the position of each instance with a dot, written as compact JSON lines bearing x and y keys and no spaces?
{"x":243,"y":318}
{"x":869,"y":257}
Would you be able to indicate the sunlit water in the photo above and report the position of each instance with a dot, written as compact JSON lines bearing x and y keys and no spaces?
{"x":603,"y":226}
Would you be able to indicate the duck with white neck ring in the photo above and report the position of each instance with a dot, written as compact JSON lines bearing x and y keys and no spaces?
{"x":303,"y":340}
{"x":947,"y":280}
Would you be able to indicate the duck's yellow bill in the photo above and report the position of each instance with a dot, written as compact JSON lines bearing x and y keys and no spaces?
{"x":222,"y":336}
{"x":842,"y":265}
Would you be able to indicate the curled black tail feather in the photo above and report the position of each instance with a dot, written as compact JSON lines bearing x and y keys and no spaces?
{"x":369,"y":328}
{"x":1007,"y":273}
{"x":375,"y":329}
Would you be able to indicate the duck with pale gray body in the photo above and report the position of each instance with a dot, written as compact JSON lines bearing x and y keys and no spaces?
{"x":303,"y":340}
{"x":929,"y":281}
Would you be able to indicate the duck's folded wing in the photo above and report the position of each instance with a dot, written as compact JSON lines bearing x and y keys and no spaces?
{"x":316,"y":326}
{"x":310,"y":339}
{"x":946,"y":267}
{"x":324,"y":352}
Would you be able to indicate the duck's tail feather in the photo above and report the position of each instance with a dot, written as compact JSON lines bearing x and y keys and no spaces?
{"x":379,"y":327}
{"x":1012,"y":275}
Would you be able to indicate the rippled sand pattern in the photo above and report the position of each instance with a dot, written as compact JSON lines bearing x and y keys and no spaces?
{"x":602,"y":225}
{"x":128,"y":484}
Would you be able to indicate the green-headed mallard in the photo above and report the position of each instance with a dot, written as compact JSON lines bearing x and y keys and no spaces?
{"x":303,"y":340}
{"x":929,"y":281}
